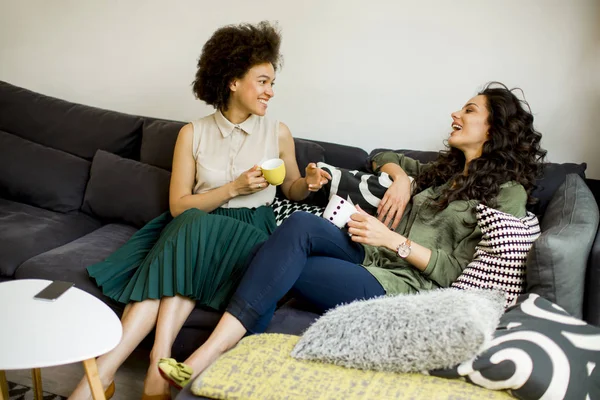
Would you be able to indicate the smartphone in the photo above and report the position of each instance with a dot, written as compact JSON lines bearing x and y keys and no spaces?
{"x":53,"y":290}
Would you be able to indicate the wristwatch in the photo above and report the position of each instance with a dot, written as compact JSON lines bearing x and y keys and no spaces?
{"x":403,"y":249}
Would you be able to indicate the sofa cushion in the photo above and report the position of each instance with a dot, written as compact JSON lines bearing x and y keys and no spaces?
{"x":41,"y":176}
{"x":404,"y":333}
{"x":28,"y":231}
{"x":158,"y":142}
{"x":591,"y":304}
{"x":501,"y":256}
{"x":70,"y":127}
{"x":423,"y":156}
{"x":293,"y":317}
{"x":69,"y":261}
{"x":307,"y":152}
{"x":553,"y":176}
{"x":557,"y":263}
{"x":343,"y":156}
{"x":123,"y":190}
{"x":260,"y":367}
{"x":539,"y":351}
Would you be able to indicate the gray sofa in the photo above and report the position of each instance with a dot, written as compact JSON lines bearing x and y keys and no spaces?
{"x":77,"y":181}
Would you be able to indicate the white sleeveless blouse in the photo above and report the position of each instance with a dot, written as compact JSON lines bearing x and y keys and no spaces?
{"x":223,"y":151}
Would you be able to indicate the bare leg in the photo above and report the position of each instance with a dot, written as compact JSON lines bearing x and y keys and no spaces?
{"x":138,"y":320}
{"x":228,"y":332}
{"x":172,"y":314}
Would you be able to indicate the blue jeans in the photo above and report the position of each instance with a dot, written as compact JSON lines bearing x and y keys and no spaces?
{"x":309,"y":255}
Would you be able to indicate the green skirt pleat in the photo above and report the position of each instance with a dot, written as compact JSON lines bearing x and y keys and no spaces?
{"x":198,"y":255}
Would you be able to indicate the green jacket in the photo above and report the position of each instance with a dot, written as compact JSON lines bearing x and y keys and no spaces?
{"x":450,"y":234}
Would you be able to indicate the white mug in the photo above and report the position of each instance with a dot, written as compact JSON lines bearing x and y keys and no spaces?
{"x":338,"y":211}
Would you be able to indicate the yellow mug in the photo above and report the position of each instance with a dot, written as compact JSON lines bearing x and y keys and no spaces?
{"x":274,"y":171}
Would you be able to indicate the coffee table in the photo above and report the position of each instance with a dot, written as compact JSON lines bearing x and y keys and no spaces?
{"x":36,"y":333}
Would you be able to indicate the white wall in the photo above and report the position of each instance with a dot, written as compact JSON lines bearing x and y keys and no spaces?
{"x":366,"y":73}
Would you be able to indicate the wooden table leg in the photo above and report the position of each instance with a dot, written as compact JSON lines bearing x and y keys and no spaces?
{"x":91,"y":371}
{"x":3,"y":386}
{"x":36,"y":377}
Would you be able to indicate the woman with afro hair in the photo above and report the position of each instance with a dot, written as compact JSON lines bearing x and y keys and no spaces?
{"x":219,"y":204}
{"x":422,"y":238}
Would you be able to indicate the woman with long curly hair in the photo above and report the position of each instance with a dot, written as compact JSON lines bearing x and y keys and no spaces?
{"x":219,"y":204}
{"x":494,"y":157}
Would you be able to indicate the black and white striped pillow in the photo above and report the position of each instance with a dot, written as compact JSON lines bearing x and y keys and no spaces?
{"x":501,"y":256}
{"x":361,"y":188}
{"x":283,"y":208}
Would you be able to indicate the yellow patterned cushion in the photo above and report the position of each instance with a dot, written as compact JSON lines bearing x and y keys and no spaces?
{"x":260,"y":368}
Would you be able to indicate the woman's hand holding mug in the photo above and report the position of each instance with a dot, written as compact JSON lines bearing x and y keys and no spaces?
{"x":250,"y":181}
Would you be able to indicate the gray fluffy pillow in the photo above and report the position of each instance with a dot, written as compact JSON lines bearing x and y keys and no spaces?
{"x":405,"y":333}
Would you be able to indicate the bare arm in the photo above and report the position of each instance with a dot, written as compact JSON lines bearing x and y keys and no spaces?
{"x":183,"y":177}
{"x":295,"y":187}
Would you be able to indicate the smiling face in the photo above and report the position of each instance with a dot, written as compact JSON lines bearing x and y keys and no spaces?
{"x":470,"y":127}
{"x":251,"y":93}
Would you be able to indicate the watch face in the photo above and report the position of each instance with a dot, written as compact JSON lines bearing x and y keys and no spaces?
{"x":403,"y":250}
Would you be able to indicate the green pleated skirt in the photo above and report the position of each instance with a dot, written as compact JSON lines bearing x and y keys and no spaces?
{"x":199,"y":255}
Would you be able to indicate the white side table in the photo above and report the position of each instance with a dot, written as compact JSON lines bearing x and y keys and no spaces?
{"x":36,"y":333}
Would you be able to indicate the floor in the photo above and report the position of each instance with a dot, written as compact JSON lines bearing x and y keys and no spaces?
{"x":63,"y":379}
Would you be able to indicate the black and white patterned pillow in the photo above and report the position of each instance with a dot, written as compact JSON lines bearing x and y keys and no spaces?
{"x":358,"y":187}
{"x":283,"y":208}
{"x":500,"y":257}
{"x":539,"y":351}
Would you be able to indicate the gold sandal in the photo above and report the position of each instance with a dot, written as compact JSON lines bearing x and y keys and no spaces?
{"x":176,"y":373}
{"x":110,"y":391}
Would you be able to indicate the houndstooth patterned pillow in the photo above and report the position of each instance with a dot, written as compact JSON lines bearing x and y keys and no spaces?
{"x":501,"y":256}
{"x":283,"y":208}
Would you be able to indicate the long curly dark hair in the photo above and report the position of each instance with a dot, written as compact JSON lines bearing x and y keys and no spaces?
{"x":511,"y":153}
{"x":230,"y":52}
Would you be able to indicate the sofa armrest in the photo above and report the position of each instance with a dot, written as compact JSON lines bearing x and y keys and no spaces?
{"x":592,"y":294}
